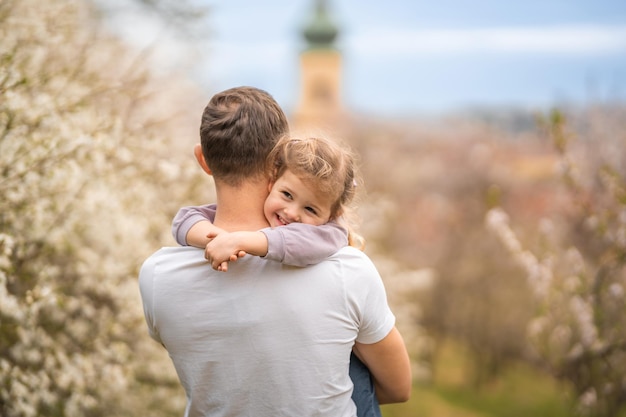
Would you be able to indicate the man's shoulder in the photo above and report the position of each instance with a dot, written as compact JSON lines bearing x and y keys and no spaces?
{"x":174,"y":255}
{"x":351,"y":256}
{"x":176,"y":251}
{"x":350,"y":252}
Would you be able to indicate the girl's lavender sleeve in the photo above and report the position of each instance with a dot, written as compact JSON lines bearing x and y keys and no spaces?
{"x":300,"y":244}
{"x":187,"y":217}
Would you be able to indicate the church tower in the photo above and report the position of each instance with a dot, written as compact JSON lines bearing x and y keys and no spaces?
{"x":319,"y":104}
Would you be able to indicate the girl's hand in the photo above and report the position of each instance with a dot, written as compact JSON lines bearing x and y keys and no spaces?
{"x":223,"y":248}
{"x":224,"y":265}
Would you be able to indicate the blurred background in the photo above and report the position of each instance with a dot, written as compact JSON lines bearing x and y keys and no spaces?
{"x":408,"y":58}
{"x":492,"y":145}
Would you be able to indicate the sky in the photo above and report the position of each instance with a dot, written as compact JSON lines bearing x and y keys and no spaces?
{"x":403,"y":57}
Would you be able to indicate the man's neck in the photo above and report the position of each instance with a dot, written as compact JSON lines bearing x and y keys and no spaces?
{"x":241,"y":207}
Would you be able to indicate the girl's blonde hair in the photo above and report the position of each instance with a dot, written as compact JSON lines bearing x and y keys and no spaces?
{"x":327,"y":166}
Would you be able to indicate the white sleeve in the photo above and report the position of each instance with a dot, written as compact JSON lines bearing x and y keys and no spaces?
{"x":367,"y":297}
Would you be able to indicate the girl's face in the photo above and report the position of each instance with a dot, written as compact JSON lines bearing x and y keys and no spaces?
{"x":292,"y":201}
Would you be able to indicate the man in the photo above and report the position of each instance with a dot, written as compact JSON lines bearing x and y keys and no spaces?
{"x":266,"y":339}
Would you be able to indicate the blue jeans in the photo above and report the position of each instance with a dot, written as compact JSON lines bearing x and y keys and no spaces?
{"x":363,"y":395}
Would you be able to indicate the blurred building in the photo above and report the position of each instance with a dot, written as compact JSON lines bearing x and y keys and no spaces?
{"x":319,"y":104}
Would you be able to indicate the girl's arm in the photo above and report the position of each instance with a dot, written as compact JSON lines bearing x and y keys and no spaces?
{"x":300,"y":244}
{"x":296,"y":244}
{"x":193,"y":224}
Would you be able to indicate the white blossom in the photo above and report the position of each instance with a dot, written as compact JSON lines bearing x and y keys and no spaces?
{"x":616,"y":290}
{"x":82,"y":196}
{"x":583,"y":314}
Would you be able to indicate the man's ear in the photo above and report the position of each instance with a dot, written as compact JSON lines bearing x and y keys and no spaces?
{"x":197,"y":151}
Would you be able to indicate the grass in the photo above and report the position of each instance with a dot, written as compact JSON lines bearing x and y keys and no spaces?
{"x":520,"y":391}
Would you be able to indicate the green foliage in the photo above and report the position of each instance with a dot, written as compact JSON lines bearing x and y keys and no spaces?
{"x":519,"y":391}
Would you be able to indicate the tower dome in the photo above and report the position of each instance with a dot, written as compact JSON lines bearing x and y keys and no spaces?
{"x":321,"y":31}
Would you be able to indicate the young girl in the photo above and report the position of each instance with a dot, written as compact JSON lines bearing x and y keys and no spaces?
{"x":312,"y":183}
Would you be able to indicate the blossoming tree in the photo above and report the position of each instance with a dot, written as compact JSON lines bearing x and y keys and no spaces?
{"x":93,"y":164}
{"x":577,"y":273}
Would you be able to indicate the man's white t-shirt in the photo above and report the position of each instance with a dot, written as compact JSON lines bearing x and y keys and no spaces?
{"x":264,"y":339}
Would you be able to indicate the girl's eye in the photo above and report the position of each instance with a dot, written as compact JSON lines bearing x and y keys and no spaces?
{"x":286,"y":194}
{"x":311,"y":210}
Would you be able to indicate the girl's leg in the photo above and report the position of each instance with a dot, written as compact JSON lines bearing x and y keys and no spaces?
{"x":363,"y":395}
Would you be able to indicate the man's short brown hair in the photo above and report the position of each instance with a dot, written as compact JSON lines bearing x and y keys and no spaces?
{"x":238,"y":130}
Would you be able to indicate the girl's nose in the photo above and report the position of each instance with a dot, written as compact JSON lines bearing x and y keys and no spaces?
{"x":293,"y":214}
